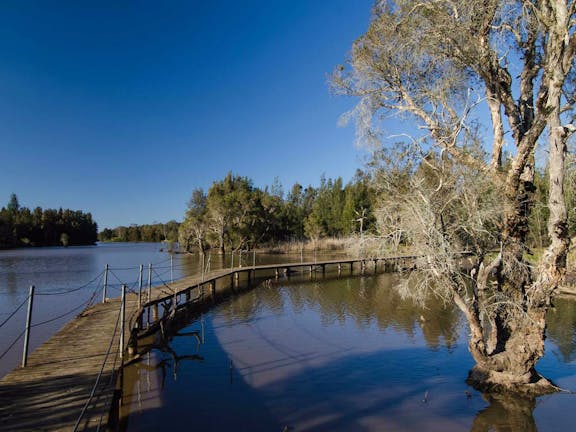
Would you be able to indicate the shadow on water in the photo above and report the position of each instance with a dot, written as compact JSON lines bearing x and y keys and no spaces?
{"x":189,"y":370}
{"x":330,"y":354}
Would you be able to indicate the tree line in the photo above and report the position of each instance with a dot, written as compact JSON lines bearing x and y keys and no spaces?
{"x":234,"y":214}
{"x":20,"y":226}
{"x":142,"y":233}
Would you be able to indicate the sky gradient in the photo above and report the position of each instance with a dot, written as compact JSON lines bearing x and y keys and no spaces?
{"x":122,"y":108}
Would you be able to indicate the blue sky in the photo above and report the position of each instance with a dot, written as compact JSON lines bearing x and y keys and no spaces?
{"x":122,"y":108}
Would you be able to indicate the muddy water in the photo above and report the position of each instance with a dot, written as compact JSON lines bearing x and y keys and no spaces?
{"x":335,"y":355}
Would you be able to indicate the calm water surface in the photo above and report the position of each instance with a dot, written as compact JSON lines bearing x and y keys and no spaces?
{"x":335,"y":355}
{"x":68,"y":279}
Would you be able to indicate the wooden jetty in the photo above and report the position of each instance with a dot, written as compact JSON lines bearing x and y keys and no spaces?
{"x":69,"y":382}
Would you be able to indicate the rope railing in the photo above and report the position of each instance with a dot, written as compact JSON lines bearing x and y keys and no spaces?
{"x":99,"y":376}
{"x":81,"y":287}
{"x":161,"y":273}
{"x":90,"y":291}
{"x":14,"y":312}
{"x":100,"y":284}
{"x":7,"y":350}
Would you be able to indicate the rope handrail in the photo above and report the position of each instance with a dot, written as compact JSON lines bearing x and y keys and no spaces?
{"x":95,"y":386}
{"x":162,"y":281}
{"x":15,"y":311}
{"x":84,"y":303}
{"x":12,"y":344}
{"x":87,"y":284}
{"x":131,"y":287}
{"x":36,"y":272}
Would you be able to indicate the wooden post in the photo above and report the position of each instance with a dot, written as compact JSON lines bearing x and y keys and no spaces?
{"x":351,"y":267}
{"x":140,"y":286}
{"x":28,"y":322}
{"x":122,"y":322}
{"x":105,"y":283}
{"x":171,"y":268}
{"x":240,"y":258}
{"x":254,"y":259}
{"x":149,"y":282}
{"x":213,"y":287}
{"x":203,"y":258}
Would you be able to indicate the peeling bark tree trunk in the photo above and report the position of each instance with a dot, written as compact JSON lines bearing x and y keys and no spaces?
{"x":416,"y":59}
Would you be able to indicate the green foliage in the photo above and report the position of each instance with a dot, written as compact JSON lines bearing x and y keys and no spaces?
{"x":235,"y":215}
{"x":142,"y":233}
{"x":21,"y":227}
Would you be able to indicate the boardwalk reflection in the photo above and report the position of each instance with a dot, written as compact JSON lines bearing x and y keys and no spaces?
{"x":336,"y":354}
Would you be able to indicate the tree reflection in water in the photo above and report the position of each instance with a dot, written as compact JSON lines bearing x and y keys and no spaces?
{"x":328,"y":354}
{"x":561,"y":321}
{"x":364,"y":300}
{"x":506,"y":413}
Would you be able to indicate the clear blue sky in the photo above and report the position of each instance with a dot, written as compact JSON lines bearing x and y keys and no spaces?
{"x":121,"y":108}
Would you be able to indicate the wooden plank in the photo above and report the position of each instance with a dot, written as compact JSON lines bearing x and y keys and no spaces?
{"x":50,"y":393}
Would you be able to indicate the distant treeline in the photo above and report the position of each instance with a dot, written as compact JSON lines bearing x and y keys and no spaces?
{"x":20,"y":226}
{"x":234,"y":214}
{"x":141,"y":233}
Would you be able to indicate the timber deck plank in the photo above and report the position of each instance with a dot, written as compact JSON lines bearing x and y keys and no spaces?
{"x":50,"y":393}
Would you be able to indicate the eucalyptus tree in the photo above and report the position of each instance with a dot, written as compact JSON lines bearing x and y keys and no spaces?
{"x":194,"y":229}
{"x":438,"y":64}
{"x":232,"y":207}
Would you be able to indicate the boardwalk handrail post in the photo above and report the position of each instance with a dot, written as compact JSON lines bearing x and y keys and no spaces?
{"x":105,"y":283}
{"x":203,"y":259}
{"x":240,"y":258}
{"x":122,"y":323}
{"x":171,"y":268}
{"x":254,"y":258}
{"x":149,"y":282}
{"x":140,"y":286}
{"x":28,"y":322}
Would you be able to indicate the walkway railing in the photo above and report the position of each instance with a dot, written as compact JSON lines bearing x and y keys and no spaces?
{"x":167,"y":294}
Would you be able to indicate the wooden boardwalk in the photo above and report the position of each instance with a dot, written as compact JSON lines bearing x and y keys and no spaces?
{"x":52,"y":391}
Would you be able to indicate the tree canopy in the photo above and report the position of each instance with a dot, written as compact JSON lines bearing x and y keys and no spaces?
{"x":234,"y":214}
{"x":438,"y":64}
{"x":20,"y":226}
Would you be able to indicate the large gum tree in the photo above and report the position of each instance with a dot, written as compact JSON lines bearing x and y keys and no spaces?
{"x":476,"y":78}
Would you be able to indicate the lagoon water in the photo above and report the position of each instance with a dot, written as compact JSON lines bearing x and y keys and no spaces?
{"x":66,"y":280}
{"x":335,"y":355}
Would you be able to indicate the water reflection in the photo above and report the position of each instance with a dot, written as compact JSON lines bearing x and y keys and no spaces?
{"x":337,"y":354}
{"x":561,"y":321}
{"x":361,"y":301}
{"x":506,"y":414}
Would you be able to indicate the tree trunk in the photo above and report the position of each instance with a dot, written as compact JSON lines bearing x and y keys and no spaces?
{"x":510,"y":365}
